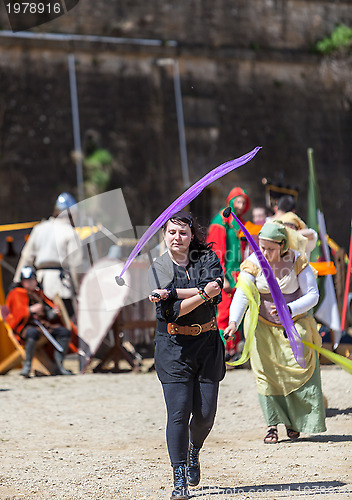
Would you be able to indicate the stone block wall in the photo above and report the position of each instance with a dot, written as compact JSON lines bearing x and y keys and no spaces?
{"x":265,"y":24}
{"x":248,"y":78}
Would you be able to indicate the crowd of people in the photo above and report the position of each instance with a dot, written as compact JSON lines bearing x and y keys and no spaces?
{"x":201,"y":286}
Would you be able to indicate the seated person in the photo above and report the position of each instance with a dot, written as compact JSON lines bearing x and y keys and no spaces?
{"x":29,"y":311}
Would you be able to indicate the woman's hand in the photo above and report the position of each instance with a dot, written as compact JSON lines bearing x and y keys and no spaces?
{"x":230,"y":330}
{"x":212,"y":289}
{"x":158,"y":295}
{"x":273,"y":311}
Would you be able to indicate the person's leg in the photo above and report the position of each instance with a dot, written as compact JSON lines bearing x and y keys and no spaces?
{"x":205,"y":398}
{"x":272,"y":435}
{"x":31,"y":338}
{"x":179,"y":401}
{"x":63,"y":336}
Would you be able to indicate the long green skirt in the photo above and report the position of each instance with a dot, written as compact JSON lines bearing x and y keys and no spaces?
{"x":303,"y":410}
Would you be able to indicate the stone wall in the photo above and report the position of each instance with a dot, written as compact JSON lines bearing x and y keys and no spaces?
{"x":248,"y":78}
{"x":275,"y":24}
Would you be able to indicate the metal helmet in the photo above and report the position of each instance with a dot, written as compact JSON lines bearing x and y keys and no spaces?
{"x":28,"y":273}
{"x":64,"y":201}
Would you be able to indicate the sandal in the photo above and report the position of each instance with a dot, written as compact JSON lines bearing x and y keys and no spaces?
{"x":272,"y":436}
{"x":291,"y":434}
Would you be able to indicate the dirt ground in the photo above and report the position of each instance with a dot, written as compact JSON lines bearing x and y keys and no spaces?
{"x":102,"y":436}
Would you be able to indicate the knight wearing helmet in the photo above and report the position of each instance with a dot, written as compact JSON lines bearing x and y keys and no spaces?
{"x":53,"y":249}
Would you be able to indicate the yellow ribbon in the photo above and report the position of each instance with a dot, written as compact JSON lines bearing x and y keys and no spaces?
{"x":344,"y":362}
{"x":252,"y":294}
{"x":20,"y":225}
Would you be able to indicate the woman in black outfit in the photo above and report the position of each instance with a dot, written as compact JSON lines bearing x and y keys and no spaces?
{"x":189,"y":353}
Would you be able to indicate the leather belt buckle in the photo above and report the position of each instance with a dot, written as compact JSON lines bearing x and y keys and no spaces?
{"x":171,"y":329}
{"x":200,"y":329}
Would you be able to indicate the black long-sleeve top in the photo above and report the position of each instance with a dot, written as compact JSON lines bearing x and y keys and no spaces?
{"x":203,"y":268}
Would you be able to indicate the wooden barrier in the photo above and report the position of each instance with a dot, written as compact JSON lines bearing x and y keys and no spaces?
{"x":118,"y":352}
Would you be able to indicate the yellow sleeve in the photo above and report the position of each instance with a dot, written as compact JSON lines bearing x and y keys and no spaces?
{"x":249,"y":267}
{"x":300,"y":264}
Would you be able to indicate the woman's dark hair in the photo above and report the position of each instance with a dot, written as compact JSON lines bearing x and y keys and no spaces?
{"x":286,"y":203}
{"x":199,"y":241}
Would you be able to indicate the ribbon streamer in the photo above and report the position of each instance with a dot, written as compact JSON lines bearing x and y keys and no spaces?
{"x":281,"y":306}
{"x":344,"y":362}
{"x":182,"y":201}
{"x":252,"y":294}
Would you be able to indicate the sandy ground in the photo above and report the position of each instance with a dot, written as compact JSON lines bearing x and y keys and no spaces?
{"x":102,"y":436}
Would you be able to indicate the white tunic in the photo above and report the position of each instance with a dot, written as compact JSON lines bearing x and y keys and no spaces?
{"x":53,"y":243}
{"x":305,"y":281}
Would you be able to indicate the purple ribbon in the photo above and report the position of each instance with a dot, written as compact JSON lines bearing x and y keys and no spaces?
{"x":281,"y":306}
{"x":184,"y":200}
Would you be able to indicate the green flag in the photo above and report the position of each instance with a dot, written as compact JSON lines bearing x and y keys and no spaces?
{"x":326,"y":311}
{"x":314,"y":203}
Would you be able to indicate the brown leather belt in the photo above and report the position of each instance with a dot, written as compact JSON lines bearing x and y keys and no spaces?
{"x":196,"y":329}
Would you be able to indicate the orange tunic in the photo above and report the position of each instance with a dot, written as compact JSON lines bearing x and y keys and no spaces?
{"x":18,"y":313}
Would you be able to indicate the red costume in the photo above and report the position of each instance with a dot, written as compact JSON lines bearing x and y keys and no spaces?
{"x":18,"y":314}
{"x":224,"y":234}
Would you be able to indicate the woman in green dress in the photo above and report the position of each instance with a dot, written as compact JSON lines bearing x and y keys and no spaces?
{"x":288,"y":394}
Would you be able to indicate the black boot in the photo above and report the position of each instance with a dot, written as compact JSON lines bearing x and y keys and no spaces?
{"x":30,"y":350}
{"x":180,"y":491}
{"x":193,"y":467}
{"x":59,"y":356}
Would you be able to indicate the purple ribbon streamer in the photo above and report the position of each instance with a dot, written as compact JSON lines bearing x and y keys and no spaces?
{"x":281,"y":306}
{"x":184,"y":199}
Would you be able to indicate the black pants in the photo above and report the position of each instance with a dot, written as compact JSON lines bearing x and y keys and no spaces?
{"x":58,"y":333}
{"x":184,"y":399}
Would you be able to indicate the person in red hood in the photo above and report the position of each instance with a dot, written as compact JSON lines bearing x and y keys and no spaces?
{"x":224,"y":234}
